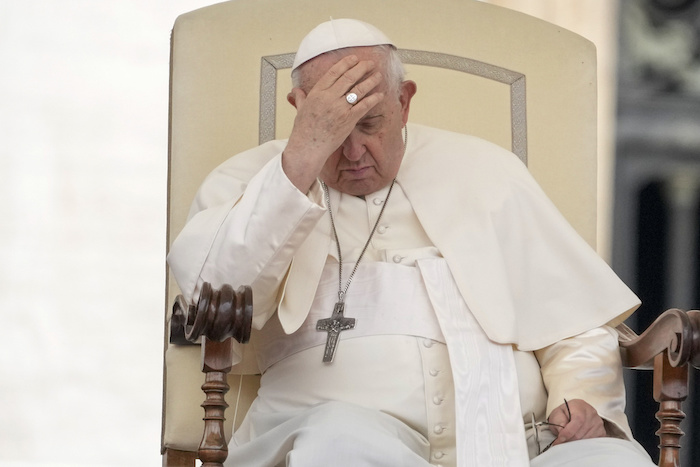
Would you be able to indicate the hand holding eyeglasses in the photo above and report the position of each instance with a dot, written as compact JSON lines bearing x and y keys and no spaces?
{"x":575,"y":419}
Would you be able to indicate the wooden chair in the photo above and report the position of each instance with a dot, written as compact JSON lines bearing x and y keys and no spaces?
{"x":529,"y":87}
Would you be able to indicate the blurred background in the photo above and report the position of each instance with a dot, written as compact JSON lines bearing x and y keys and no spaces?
{"x":83,"y":165}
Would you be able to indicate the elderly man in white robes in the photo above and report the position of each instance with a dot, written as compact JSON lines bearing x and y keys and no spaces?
{"x":417,"y":299}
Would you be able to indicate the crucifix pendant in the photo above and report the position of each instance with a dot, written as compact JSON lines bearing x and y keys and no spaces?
{"x":333,"y":325}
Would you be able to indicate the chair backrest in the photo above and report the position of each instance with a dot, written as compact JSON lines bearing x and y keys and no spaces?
{"x":520,"y":82}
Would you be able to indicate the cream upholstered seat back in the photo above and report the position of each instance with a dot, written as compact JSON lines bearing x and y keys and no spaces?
{"x":524,"y":84}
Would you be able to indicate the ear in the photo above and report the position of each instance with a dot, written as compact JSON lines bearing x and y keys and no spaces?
{"x":406,"y":93}
{"x":294,"y":97}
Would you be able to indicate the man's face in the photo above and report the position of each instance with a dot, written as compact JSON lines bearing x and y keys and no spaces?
{"x":370,"y":157}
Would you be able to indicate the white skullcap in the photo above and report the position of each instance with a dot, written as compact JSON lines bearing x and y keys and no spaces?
{"x":338,"y":34}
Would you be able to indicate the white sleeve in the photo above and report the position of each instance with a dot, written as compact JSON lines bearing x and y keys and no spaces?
{"x":587,"y":367}
{"x":248,"y":239}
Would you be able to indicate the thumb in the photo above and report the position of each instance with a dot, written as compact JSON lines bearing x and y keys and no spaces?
{"x":557,"y":420}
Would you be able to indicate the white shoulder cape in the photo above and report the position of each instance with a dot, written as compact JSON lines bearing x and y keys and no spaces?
{"x":528,"y":277}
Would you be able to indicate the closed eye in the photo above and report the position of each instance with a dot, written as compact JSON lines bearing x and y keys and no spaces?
{"x":370,"y":124}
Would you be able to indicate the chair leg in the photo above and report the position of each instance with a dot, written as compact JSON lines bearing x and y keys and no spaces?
{"x":174,"y":458}
{"x":216,"y":364}
{"x":670,"y":390}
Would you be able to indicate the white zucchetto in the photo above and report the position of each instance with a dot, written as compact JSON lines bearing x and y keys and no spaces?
{"x":338,"y":34}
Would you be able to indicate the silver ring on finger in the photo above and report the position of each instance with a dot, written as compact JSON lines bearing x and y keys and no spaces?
{"x":351,"y":98}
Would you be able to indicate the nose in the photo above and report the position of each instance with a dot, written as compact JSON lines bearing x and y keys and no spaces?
{"x":353,"y":147}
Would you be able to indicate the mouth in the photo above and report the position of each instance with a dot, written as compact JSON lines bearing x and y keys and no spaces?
{"x":358,"y":172}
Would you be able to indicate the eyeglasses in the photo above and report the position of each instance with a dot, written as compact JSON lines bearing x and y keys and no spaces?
{"x":536,"y":427}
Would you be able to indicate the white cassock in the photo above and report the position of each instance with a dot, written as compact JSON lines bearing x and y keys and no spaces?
{"x":465,"y":217}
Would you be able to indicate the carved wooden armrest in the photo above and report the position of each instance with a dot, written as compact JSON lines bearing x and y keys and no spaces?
{"x":669,"y":346}
{"x":219,"y":316}
{"x":677,"y":332}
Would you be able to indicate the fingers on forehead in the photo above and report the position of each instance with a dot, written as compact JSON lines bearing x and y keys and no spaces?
{"x":348,"y":72}
{"x":357,"y":73}
{"x":366,"y":85}
{"x":364,"y":105}
{"x":337,"y":70}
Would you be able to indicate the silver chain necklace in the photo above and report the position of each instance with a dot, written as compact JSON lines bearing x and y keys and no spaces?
{"x":338,"y":322}
{"x":341,"y":291}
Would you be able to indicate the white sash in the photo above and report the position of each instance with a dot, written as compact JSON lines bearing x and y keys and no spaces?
{"x":384,"y":298}
{"x":490,"y":429}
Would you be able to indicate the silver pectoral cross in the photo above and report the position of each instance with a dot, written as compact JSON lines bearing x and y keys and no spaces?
{"x":333,"y":325}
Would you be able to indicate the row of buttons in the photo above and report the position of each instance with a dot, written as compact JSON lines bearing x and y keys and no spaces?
{"x":437,"y":400}
{"x":382,"y":228}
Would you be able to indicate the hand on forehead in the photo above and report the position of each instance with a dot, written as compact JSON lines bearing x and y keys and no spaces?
{"x":351,"y":75}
